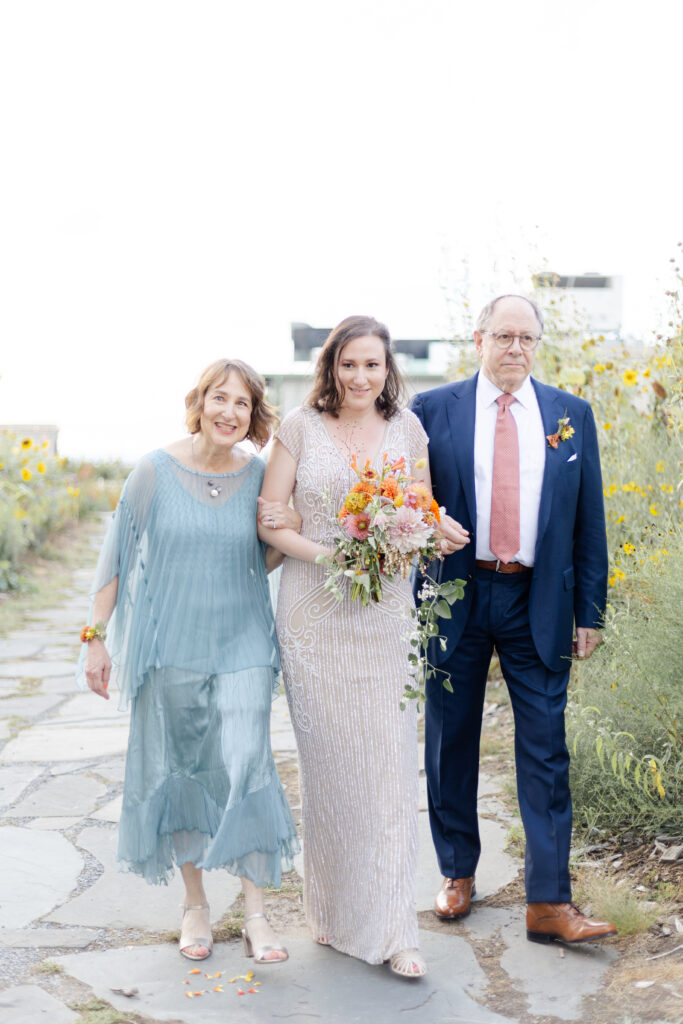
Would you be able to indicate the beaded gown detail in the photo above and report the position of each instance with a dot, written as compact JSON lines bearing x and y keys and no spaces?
{"x":193,"y":643}
{"x":344,"y":668}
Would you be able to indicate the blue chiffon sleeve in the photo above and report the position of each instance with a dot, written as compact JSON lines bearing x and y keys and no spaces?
{"x":121,"y":556}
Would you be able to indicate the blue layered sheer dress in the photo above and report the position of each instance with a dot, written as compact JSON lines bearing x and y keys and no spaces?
{"x":193,"y":643}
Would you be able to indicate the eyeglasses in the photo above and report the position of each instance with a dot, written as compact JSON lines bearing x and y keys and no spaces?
{"x":504,"y":340}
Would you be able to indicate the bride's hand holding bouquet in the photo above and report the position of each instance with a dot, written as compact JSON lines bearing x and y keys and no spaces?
{"x":389,"y":523}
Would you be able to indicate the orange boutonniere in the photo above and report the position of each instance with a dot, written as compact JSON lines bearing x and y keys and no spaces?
{"x":564,"y":431}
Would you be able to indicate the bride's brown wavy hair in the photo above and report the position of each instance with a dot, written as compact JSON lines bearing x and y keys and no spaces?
{"x":328,"y":393}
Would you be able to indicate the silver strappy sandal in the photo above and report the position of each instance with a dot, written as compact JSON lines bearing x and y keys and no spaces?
{"x":187,"y":941}
{"x":260,"y":954}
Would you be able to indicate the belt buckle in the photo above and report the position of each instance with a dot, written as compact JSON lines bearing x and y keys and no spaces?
{"x":497,"y":565}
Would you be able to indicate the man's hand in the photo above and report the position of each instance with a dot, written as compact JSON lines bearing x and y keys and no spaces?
{"x":586,"y":641}
{"x":453,"y":536}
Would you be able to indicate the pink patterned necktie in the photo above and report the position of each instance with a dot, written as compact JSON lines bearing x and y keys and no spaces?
{"x":504,"y":539}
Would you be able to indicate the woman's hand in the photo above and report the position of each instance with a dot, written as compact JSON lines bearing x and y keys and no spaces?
{"x":453,"y":536}
{"x":278,"y":516}
{"x":98,"y":668}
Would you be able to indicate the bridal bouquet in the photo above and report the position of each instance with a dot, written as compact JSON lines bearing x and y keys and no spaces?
{"x":388,"y":525}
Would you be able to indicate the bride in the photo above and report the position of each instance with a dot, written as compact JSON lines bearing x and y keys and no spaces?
{"x":345,"y":665}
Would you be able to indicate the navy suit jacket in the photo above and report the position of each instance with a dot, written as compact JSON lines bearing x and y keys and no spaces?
{"x":569,"y":580}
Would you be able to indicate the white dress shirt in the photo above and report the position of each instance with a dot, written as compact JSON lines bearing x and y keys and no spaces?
{"x":531,"y":464}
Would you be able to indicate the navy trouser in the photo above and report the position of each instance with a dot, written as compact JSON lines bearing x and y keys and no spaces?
{"x":499,"y":618}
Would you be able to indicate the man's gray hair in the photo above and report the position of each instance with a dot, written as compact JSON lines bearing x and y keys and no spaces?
{"x":487,"y":312}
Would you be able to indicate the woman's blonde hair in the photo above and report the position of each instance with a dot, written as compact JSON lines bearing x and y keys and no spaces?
{"x":263,"y":418}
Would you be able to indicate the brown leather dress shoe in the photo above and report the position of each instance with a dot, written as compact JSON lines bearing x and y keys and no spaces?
{"x":548,"y":921}
{"x":454,"y":898}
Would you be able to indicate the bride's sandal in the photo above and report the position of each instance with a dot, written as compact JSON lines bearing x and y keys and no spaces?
{"x":325,"y":940}
{"x":408,"y":963}
{"x":260,"y":953}
{"x":189,"y":942}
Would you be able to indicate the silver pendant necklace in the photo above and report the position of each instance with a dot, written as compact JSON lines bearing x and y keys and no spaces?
{"x":214,"y":488}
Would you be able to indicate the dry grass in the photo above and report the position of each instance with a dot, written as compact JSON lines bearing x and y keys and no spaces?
{"x":601,"y":897}
{"x":96,"y":1011}
{"x":515,"y":841}
{"x":48,"y":967}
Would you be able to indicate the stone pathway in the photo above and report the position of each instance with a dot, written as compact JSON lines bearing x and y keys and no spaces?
{"x":63,"y":902}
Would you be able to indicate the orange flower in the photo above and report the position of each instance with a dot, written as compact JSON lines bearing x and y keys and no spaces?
{"x":389,"y":488}
{"x":363,"y":487}
{"x":553,"y":440}
{"x":434,"y":509}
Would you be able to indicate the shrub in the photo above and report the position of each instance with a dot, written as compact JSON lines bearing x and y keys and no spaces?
{"x":625,"y":712}
{"x":40,"y":494}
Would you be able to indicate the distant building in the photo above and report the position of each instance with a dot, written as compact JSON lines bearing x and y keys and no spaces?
{"x":599,"y":296}
{"x":423,"y":362}
{"x":36,"y":431}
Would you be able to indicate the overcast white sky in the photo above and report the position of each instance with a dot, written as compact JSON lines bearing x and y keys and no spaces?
{"x":180,"y":180}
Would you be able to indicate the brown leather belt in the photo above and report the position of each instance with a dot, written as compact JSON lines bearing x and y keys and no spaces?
{"x":496,"y":566}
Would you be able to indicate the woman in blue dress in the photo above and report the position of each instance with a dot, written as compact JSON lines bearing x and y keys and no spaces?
{"x":182,"y":592}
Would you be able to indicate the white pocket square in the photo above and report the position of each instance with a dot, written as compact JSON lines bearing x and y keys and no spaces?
{"x":572,"y":457}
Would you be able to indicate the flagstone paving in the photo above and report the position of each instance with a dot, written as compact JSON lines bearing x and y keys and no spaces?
{"x":28,"y":1004}
{"x":61,"y":897}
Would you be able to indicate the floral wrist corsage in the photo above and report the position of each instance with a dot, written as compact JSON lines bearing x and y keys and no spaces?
{"x":96,"y":632}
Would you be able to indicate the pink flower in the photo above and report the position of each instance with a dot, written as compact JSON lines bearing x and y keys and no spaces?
{"x":358,"y":526}
{"x":381,"y":519}
{"x":408,"y":531}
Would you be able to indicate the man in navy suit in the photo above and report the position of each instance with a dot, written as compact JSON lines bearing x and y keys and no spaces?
{"x":524,"y":600}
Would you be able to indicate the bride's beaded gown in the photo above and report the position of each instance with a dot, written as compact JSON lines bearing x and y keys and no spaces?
{"x":345,"y":667}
